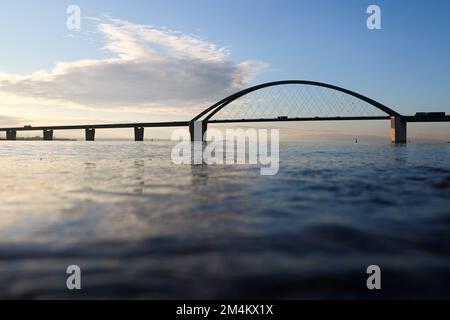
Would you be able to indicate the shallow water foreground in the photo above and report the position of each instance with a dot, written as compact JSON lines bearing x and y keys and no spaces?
{"x":141,"y":227}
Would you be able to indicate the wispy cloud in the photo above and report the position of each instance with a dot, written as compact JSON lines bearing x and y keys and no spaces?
{"x":151,"y":69}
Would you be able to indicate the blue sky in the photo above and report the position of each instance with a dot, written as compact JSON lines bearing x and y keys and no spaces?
{"x":405,"y":65}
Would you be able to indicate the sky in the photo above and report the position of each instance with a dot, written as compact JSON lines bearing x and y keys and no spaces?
{"x":167,"y":60}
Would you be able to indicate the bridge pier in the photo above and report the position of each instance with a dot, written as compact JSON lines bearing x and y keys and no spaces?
{"x":11,"y":135}
{"x":90,"y":134}
{"x":138,"y":134}
{"x":398,"y":129}
{"x":197,"y":130}
{"x":48,"y":135}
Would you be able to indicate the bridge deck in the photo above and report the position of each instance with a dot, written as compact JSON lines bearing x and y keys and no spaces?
{"x":186,"y":123}
{"x":179,"y":123}
{"x":102,"y":126}
{"x":301,"y":119}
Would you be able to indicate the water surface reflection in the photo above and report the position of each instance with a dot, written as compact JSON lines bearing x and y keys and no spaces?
{"x":141,"y":227}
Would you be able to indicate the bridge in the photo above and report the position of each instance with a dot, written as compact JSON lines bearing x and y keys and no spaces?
{"x":280,"y":101}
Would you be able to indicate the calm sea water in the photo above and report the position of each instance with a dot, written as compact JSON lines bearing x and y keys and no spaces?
{"x":142,"y":227}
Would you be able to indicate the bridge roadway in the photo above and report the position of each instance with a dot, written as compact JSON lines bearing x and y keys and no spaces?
{"x":101,"y":126}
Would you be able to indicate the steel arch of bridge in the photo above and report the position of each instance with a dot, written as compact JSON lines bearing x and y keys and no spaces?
{"x":214,"y":109}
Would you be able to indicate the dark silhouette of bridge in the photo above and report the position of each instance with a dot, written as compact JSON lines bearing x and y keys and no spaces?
{"x":280,"y":101}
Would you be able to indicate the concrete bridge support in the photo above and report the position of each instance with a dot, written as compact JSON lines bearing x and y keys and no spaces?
{"x":11,"y":135}
{"x":48,"y":135}
{"x":90,"y":134}
{"x":398,"y":130}
{"x":197,"y":130}
{"x":138,"y":134}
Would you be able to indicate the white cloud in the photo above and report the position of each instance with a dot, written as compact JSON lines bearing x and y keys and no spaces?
{"x":152,"y":69}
